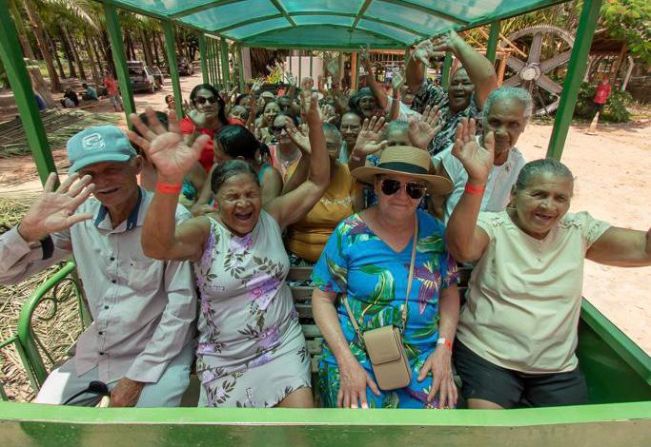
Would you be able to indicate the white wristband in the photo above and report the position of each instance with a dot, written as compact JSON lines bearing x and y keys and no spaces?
{"x":444,"y":341}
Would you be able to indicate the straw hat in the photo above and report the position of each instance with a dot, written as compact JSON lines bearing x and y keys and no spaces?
{"x":405,"y":160}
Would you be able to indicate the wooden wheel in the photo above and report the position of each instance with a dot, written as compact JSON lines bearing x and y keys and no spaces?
{"x":548,"y":49}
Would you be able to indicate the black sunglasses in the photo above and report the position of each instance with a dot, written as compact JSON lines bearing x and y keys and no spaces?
{"x":276,"y":129}
{"x":202,"y":99}
{"x":414,"y":190}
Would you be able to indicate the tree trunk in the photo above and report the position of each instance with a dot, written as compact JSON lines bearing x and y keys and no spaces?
{"x":78,"y":60}
{"x":154,"y":42}
{"x":108,"y":53}
{"x":146,"y":47}
{"x":37,"y":28}
{"x":73,"y":52}
{"x":72,"y":71}
{"x":94,"y":61}
{"x":161,"y":45}
{"x":57,"y":59}
{"x":22,"y":32}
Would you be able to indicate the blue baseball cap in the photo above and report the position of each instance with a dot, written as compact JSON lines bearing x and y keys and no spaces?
{"x":97,"y":144}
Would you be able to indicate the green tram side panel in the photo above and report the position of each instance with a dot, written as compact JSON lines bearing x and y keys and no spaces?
{"x":599,"y":425}
{"x":340,"y":24}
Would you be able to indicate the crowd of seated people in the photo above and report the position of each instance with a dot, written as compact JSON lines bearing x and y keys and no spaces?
{"x":184,"y":231}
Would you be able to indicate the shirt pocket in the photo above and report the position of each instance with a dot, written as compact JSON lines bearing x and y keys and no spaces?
{"x":145,"y":276}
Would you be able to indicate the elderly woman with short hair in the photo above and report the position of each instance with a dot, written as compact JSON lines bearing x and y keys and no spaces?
{"x":518,"y":330}
{"x":251,"y":350}
{"x":366,"y":264}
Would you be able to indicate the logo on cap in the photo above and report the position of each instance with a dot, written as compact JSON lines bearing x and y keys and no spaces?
{"x":93,"y":142}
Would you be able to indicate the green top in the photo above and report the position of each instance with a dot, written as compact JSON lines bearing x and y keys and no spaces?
{"x":330,"y":24}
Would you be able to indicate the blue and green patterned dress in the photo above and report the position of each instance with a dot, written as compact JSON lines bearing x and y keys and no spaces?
{"x":357,"y":262}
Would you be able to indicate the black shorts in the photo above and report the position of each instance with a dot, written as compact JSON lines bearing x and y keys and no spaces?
{"x":482,"y":379}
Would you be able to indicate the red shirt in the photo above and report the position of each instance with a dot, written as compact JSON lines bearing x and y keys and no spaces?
{"x":187,"y":127}
{"x":602,"y":93}
{"x":111,"y":86}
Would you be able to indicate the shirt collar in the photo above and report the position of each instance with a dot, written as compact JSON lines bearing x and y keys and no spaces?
{"x":131,"y":222}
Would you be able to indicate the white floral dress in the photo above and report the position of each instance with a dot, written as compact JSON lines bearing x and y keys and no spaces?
{"x":251,"y":350}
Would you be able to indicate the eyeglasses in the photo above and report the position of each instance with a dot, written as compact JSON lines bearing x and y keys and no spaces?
{"x":414,"y":190}
{"x":276,"y":130}
{"x":202,"y":99}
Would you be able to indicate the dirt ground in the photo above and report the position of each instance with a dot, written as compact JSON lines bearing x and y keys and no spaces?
{"x":612,"y":183}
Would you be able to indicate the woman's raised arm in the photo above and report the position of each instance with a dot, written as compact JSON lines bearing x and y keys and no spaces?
{"x":161,"y":239}
{"x":466,"y":241}
{"x":291,"y":207}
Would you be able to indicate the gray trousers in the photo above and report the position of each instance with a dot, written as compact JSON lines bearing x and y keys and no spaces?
{"x":63,"y":383}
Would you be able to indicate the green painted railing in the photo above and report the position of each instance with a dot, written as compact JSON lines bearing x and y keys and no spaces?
{"x":29,"y":347}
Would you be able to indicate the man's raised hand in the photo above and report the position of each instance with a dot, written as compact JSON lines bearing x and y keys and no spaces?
{"x":54,"y":210}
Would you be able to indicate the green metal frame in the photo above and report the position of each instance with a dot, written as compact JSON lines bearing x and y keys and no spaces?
{"x":31,"y":356}
{"x":600,"y":425}
{"x":445,"y":70}
{"x":119,"y":58}
{"x":225,"y":66}
{"x":170,"y":48}
{"x":203,"y":51}
{"x":12,"y":57}
{"x":575,"y":72}
{"x":493,"y":38}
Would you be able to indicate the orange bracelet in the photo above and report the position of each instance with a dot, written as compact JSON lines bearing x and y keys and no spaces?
{"x":168,"y":188}
{"x":444,"y":341}
{"x":474,"y":189}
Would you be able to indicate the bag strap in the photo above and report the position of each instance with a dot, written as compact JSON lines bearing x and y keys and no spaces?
{"x":411,"y":275}
{"x":352,"y":318}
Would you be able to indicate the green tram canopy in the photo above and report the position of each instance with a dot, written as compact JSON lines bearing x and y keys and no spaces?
{"x":330,"y":24}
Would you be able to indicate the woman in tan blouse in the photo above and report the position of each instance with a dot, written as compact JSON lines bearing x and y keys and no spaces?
{"x":517,"y":333}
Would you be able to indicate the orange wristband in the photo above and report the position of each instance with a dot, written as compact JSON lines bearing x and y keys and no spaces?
{"x":475,"y":189}
{"x":444,"y":341}
{"x":168,"y":188}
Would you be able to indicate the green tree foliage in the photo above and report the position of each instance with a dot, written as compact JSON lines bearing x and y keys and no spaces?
{"x":630,"y":21}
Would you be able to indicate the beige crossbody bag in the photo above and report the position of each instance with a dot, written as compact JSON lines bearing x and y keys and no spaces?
{"x":384,"y":345}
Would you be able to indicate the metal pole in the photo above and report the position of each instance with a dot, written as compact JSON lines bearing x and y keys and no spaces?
{"x":575,"y":72}
{"x":445,"y":71}
{"x":226,"y":75}
{"x":115,"y":37}
{"x":216,"y":64}
{"x":12,"y":58}
{"x":311,"y":65}
{"x":300,"y":65}
{"x":241,"y":64}
{"x":493,"y":37}
{"x":170,"y":47}
{"x":354,"y":70}
{"x":204,"y":58}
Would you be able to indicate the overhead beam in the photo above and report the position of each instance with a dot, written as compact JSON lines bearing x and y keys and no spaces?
{"x":283,"y":12}
{"x":246,"y":22}
{"x":360,"y":13}
{"x":200,"y":8}
{"x":346,"y":14}
{"x":429,"y":10}
{"x":399,"y":43}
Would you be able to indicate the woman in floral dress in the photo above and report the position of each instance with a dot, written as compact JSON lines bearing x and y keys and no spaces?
{"x":251,"y":350}
{"x":367,"y":258}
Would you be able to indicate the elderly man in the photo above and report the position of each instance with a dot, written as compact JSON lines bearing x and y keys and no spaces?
{"x":468,"y":90}
{"x":506,"y":113}
{"x":141,"y":340}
